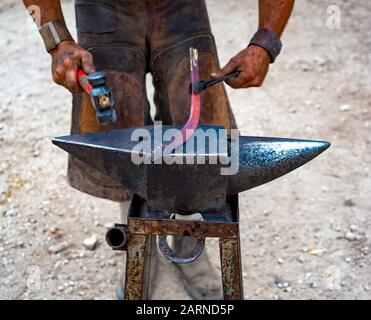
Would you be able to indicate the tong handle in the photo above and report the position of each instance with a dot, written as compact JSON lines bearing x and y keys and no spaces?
{"x":200,"y":86}
{"x":210,"y":83}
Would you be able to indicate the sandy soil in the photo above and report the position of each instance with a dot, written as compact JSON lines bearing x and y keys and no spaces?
{"x":304,"y":236}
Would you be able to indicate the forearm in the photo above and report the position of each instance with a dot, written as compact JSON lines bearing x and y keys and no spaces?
{"x":274,"y":14}
{"x":67,"y":56}
{"x":49,"y":9}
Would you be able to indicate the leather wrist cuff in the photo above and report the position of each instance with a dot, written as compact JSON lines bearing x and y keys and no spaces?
{"x":268,"y":40}
{"x":53,"y":33}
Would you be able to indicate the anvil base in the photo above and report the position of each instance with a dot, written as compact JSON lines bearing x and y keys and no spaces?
{"x":139,"y":235}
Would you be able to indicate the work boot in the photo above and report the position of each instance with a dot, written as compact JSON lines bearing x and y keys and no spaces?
{"x":124,"y":209}
{"x":200,"y":280}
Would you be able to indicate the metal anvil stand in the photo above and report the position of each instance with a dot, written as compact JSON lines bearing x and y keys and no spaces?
{"x":139,"y":235}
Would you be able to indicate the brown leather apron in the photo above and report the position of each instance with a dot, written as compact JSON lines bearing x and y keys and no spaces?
{"x":129,"y":39}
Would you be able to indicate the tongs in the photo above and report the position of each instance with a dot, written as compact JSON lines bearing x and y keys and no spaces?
{"x":199,"y":86}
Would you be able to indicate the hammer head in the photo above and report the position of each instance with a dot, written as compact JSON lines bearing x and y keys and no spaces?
{"x":102,"y":98}
{"x":189,"y":187}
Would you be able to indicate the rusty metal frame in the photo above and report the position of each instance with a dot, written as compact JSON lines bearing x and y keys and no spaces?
{"x":230,"y":261}
{"x":141,"y":232}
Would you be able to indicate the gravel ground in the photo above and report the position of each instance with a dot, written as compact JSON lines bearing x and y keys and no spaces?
{"x":304,"y":236}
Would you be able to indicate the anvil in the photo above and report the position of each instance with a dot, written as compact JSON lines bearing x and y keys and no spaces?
{"x":189,"y":188}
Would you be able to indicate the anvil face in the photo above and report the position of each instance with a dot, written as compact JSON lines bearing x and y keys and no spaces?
{"x":196,"y":186}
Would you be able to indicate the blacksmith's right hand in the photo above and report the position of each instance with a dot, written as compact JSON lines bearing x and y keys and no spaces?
{"x":67,"y":58}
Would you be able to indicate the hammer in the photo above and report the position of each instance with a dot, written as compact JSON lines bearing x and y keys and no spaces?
{"x":101,"y":96}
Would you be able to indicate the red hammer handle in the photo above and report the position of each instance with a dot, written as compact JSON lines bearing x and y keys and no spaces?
{"x":83,"y":80}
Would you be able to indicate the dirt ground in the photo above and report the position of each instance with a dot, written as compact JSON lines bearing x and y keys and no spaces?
{"x":304,"y":236}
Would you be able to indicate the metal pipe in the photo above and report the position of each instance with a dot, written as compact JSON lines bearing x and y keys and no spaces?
{"x":117,"y":237}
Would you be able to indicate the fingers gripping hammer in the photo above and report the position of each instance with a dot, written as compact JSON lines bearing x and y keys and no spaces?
{"x":101,"y":96}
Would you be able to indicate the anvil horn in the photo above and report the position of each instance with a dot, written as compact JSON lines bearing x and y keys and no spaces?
{"x":265,"y":159}
{"x":190,"y":188}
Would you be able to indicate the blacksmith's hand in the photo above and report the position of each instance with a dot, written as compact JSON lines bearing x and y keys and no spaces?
{"x":67,"y":58}
{"x":252,"y":62}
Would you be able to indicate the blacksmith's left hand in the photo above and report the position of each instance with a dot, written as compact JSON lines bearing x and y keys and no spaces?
{"x":252,"y":62}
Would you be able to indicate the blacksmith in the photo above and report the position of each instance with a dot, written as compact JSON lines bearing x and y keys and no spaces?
{"x":130,"y":38}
